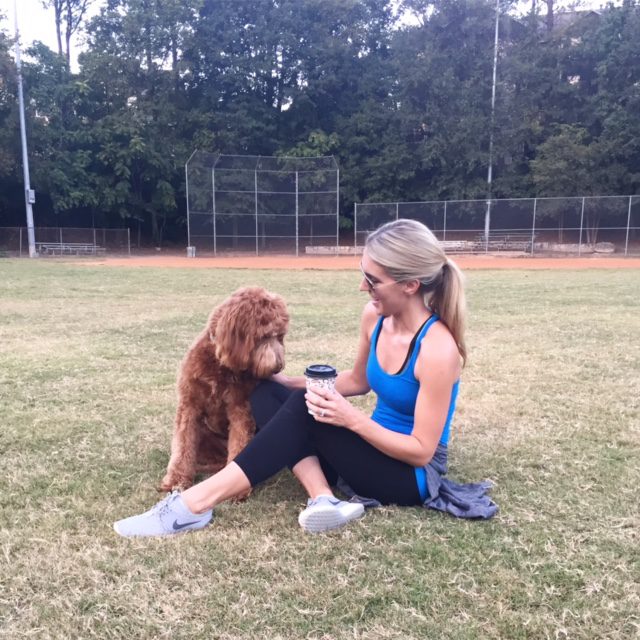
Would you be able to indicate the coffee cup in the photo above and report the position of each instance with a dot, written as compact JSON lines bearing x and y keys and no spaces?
{"x":320,"y":376}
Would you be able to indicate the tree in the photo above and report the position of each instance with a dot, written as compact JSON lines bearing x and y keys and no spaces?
{"x":68,"y":16}
{"x":10,"y":165}
{"x":140,"y":107}
{"x":570,"y":163}
{"x":444,"y":97}
{"x":405,"y":109}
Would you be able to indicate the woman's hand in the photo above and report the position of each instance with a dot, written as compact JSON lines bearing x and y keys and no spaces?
{"x":332,"y":408}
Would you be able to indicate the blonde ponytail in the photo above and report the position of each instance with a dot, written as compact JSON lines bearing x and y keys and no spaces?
{"x":448,"y":301}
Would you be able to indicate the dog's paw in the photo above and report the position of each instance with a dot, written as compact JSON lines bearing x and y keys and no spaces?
{"x":171,"y":483}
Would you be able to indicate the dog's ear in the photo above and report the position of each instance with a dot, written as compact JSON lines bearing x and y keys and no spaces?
{"x":230,"y":328}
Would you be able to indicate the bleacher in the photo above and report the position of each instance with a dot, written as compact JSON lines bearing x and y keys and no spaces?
{"x":69,"y":249}
{"x":512,"y":241}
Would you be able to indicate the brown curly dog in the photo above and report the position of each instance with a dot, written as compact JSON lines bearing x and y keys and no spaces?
{"x":242,"y":343}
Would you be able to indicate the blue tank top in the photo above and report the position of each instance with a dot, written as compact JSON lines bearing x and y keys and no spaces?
{"x":397,"y":393}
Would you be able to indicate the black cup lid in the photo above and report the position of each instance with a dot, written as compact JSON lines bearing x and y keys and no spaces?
{"x":320,"y":371}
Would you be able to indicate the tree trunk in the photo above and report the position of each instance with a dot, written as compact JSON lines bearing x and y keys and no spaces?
{"x":57,"y":12}
{"x":549,"y":20}
{"x":156,"y":229}
{"x":68,"y":32}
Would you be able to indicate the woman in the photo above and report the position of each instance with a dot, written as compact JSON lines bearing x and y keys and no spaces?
{"x":411,"y":352}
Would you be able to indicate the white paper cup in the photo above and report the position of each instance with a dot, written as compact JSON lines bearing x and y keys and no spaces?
{"x":320,"y":376}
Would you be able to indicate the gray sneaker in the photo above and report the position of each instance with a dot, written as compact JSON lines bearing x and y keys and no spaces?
{"x":168,"y":517}
{"x":326,"y":512}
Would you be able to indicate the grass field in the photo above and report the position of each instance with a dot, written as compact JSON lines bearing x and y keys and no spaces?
{"x":549,"y":410}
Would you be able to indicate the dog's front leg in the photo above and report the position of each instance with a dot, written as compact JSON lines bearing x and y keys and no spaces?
{"x":242,"y":426}
{"x":184,"y":447}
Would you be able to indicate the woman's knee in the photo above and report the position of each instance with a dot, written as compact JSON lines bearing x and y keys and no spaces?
{"x":266,"y":400}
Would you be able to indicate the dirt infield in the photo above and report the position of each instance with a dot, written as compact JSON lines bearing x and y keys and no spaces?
{"x":352,"y":262}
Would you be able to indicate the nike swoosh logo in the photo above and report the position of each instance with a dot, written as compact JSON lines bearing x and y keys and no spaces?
{"x":181,"y":525}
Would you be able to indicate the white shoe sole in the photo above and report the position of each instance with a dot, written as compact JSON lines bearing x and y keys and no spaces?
{"x":323,"y":519}
{"x":163,"y":534}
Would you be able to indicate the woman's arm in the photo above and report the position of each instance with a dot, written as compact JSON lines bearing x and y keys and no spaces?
{"x":291,"y":382}
{"x":437,"y":369}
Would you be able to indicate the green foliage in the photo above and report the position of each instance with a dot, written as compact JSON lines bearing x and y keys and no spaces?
{"x":565,"y":163}
{"x":9,"y":143}
{"x":406,"y":110}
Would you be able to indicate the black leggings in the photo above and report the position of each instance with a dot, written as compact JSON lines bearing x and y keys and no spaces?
{"x":287,"y":433}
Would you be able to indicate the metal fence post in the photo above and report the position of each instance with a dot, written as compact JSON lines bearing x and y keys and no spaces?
{"x":444,"y":222}
{"x":255,"y":191}
{"x":533,"y":225}
{"x":213,"y":206}
{"x":355,"y":227}
{"x":337,"y":211}
{"x":129,"y":241}
{"x":186,"y":178}
{"x":626,"y":242}
{"x":581,"y":221}
{"x":297,"y":213}
{"x":186,"y":175}
{"x":487,"y":226}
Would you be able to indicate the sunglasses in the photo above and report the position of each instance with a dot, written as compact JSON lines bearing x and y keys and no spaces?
{"x":371,"y":285}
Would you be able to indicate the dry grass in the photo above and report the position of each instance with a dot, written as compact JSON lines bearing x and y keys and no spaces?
{"x":549,"y":410}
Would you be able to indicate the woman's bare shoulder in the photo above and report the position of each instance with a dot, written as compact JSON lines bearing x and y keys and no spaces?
{"x":369,"y":317}
{"x":439,"y":348}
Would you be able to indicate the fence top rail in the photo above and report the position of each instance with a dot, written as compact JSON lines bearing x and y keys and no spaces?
{"x":284,"y":171}
{"x":261,"y":163}
{"x":485,"y":200}
{"x":37,"y":228}
{"x":513,"y":230}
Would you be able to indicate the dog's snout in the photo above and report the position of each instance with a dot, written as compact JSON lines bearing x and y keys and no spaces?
{"x":269,"y":359}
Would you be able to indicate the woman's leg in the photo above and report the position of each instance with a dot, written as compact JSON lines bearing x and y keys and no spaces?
{"x":266,"y":400}
{"x":289,"y":439}
{"x":292,"y":438}
{"x":310,"y":474}
{"x":224,"y":485}
{"x":368,"y":471}
{"x":283,"y":442}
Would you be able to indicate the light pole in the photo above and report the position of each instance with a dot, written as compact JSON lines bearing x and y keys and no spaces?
{"x":487,"y":217}
{"x":29,"y":197}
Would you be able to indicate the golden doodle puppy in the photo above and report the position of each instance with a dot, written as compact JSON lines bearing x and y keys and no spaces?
{"x":242,"y":343}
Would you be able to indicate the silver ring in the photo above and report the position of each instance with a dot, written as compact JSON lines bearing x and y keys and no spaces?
{"x":322,"y":413}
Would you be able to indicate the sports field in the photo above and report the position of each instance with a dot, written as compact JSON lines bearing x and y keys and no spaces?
{"x":549,"y":410}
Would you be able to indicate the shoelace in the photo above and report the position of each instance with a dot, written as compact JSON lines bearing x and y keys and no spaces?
{"x":163,"y":506}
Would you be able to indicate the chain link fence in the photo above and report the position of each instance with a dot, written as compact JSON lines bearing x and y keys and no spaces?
{"x":65,"y":241}
{"x":602,"y":224}
{"x":261,"y":204}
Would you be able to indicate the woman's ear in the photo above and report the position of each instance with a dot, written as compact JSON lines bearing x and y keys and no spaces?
{"x":410,"y":287}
